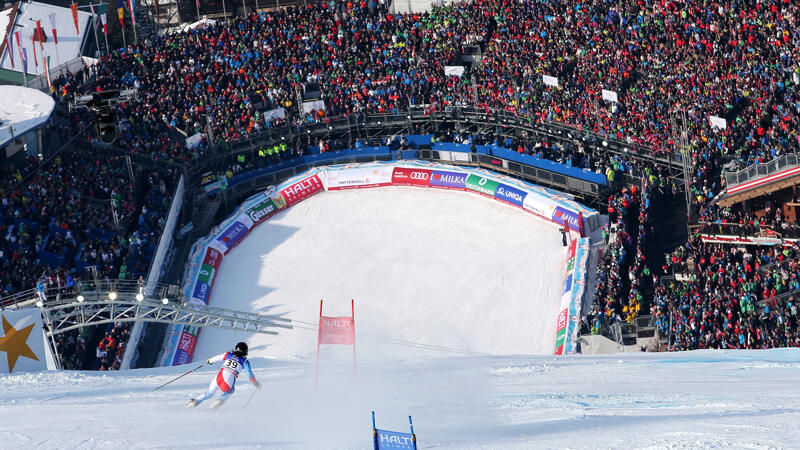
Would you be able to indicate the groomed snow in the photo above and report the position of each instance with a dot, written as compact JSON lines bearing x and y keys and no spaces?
{"x":443,"y":268}
{"x":702,"y":399}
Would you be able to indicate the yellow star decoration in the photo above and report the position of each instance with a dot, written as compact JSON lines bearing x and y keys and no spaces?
{"x":15,"y":344}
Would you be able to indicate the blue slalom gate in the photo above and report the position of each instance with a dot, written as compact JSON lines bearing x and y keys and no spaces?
{"x":394,"y":440}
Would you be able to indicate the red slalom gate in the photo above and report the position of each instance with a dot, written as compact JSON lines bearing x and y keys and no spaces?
{"x":336,"y":331}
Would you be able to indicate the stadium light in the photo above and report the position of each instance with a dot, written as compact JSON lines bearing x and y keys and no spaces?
{"x":81,"y":298}
{"x":112,"y":296}
{"x":164,"y":300}
{"x":139,"y":297}
{"x":39,"y":303}
{"x":605,"y":143}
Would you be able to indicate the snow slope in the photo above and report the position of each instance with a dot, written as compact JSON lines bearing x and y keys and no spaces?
{"x":702,"y":399}
{"x":438,"y":267}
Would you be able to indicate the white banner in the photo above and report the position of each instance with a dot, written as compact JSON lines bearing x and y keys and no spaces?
{"x":718,"y":122}
{"x":610,"y":96}
{"x":359,"y":177}
{"x":22,"y":341}
{"x":454,"y":70}
{"x":272,"y":114}
{"x":313,"y":106}
{"x":550,"y":81}
{"x":194,"y":140}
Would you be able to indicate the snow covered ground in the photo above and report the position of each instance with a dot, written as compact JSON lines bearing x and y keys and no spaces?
{"x":436,"y":267}
{"x":719,"y":399}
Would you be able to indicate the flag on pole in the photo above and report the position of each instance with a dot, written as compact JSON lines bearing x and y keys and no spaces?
{"x":10,"y":47}
{"x":74,"y":7}
{"x":121,"y":12}
{"x":45,"y":61}
{"x":101,"y":10}
{"x":197,"y":2}
{"x":53,"y":24}
{"x":132,"y":7}
{"x":35,"y":59}
{"x":40,"y":33}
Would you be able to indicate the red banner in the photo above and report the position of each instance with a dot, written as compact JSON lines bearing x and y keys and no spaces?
{"x":403,"y":176}
{"x":337,"y":330}
{"x":302,"y":190}
{"x":187,"y":342}
{"x":213,"y":258}
{"x":74,"y":8}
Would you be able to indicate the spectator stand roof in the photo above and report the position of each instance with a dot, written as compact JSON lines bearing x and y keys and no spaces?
{"x":22,"y":18}
{"x":21,"y":111}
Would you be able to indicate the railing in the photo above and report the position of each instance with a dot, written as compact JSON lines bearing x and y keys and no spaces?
{"x":780,"y":163}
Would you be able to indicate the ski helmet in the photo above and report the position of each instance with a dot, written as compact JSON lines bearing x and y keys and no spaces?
{"x":241,"y":349}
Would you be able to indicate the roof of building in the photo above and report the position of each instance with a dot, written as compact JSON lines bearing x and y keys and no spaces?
{"x":22,"y":110}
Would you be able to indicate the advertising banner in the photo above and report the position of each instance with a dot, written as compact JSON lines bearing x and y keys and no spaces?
{"x":186,"y":344}
{"x":550,"y":80}
{"x":202,"y":291}
{"x":403,"y":176}
{"x":262,"y":211}
{"x":561,"y":214}
{"x":213,"y":258}
{"x":206,"y":274}
{"x":232,"y":235}
{"x":610,"y":96}
{"x":394,"y":440}
{"x":337,"y":330}
{"x":359,"y":177}
{"x":575,"y":277}
{"x":510,"y":194}
{"x":448,"y":180}
{"x":22,"y":341}
{"x":483,"y":185}
{"x":301,"y":190}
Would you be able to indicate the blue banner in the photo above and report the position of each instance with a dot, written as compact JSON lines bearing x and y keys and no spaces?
{"x":233,"y":234}
{"x":510,"y":194}
{"x":201,"y":291}
{"x":394,"y":440}
{"x":560,"y":215}
{"x":447,"y":179}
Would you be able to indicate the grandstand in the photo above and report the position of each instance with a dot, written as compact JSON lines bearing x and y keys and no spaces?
{"x":643,"y":111}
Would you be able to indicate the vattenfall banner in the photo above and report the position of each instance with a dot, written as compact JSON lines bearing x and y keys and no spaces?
{"x":548,"y":204}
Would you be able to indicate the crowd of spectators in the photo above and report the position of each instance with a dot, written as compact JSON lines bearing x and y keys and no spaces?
{"x":76,"y":208}
{"x":672,"y":64}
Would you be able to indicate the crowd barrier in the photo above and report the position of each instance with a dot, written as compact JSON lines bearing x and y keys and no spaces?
{"x":207,"y":254}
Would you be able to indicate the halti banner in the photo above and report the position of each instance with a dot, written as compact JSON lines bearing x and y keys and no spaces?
{"x":301,"y":190}
{"x":337,"y":330}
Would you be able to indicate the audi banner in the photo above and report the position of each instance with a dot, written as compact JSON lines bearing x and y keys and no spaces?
{"x":403,"y":176}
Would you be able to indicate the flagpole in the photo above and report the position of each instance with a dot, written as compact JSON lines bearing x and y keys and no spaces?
{"x":94,"y":27}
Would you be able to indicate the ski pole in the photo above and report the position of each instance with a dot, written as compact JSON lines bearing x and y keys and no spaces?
{"x":187,"y":373}
{"x":250,"y":398}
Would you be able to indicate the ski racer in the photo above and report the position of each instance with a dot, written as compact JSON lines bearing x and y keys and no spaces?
{"x":225,"y":380}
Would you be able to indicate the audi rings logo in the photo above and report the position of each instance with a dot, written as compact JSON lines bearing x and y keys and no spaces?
{"x":422,"y":176}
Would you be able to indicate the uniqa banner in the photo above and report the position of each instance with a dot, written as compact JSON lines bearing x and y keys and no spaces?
{"x":21,"y":341}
